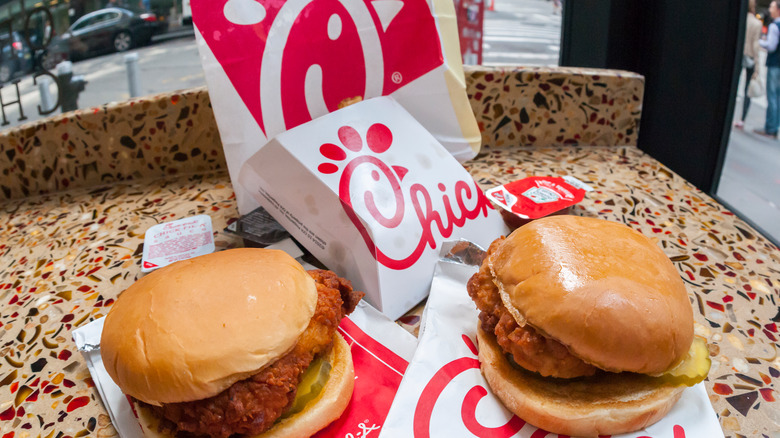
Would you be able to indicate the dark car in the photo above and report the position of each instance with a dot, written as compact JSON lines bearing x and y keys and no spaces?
{"x":105,"y":30}
{"x":15,"y":56}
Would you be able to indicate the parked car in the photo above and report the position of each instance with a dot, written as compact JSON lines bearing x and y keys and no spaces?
{"x":105,"y":30}
{"x":15,"y":56}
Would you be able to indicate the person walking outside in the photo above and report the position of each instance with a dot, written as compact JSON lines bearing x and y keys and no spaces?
{"x":772,"y":73}
{"x":750,"y":56}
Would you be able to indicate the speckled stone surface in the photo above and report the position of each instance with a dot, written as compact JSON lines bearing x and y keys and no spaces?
{"x":134,"y":140}
{"x":176,"y":132}
{"x":548,"y":106}
{"x":66,"y":255}
{"x":65,"y":259}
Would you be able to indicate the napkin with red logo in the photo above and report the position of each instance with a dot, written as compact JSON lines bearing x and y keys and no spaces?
{"x":381,"y":351}
{"x":371,"y":194}
{"x":272,"y":65}
{"x":443,"y":392}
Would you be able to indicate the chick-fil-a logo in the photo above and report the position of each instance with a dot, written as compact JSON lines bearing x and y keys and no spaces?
{"x":439,"y":381}
{"x":294,"y":60}
{"x":423,"y":412}
{"x":454,"y":199}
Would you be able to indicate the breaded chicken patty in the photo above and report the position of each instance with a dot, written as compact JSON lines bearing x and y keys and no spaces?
{"x":529,"y":348}
{"x":252,"y":405}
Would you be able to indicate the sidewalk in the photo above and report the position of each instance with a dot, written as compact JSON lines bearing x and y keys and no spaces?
{"x":750,"y":181}
{"x":521,"y":32}
{"x":173,"y":32}
{"x":170,"y":62}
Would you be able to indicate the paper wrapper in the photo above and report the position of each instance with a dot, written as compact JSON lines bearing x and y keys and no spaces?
{"x":381,"y":351}
{"x":273,"y":65}
{"x":444,"y":394}
{"x":371,"y":194}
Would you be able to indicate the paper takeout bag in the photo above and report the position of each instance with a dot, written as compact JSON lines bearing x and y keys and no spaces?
{"x":443,"y":393}
{"x":272,"y":65}
{"x":371,"y":194}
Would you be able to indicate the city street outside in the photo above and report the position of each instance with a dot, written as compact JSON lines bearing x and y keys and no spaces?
{"x":750,"y":181}
{"x":521,"y":32}
{"x":170,"y":63}
{"x":516,"y":32}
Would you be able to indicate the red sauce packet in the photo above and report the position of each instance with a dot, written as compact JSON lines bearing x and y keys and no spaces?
{"x":537,"y":196}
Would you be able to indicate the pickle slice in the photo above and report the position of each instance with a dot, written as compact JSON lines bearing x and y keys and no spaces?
{"x":313,"y":380}
{"x":693,"y":368}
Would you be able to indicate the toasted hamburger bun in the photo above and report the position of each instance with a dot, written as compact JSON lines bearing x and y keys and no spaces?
{"x":614,"y":299}
{"x":190,"y":330}
{"x":605,"y":291}
{"x":318,"y":413}
{"x":605,"y":404}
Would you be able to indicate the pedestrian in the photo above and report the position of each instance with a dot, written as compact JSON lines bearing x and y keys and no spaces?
{"x":772,"y":73}
{"x":749,"y":56}
{"x":556,"y":6}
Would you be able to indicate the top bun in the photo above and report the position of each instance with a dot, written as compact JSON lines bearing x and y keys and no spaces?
{"x":602,"y":289}
{"x":191,"y":329}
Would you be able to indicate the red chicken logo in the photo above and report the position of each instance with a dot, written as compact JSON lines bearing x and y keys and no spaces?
{"x":295,"y":60}
{"x":366,"y":173}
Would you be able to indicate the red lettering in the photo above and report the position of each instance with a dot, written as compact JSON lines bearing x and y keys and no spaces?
{"x":432,"y":391}
{"x":430,"y":220}
{"x":345,"y":184}
{"x":468,"y":413}
{"x":437,"y":384}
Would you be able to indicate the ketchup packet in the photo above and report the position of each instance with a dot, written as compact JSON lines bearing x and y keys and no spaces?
{"x":371,"y":194}
{"x":381,"y":351}
{"x":537,"y":196}
{"x":443,"y":393}
{"x":272,"y":65}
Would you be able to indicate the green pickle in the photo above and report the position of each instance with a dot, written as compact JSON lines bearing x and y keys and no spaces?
{"x":693,"y":368}
{"x":314,"y":379}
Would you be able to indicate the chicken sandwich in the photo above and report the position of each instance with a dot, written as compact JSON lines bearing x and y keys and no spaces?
{"x":586,"y":327}
{"x":239,"y":342}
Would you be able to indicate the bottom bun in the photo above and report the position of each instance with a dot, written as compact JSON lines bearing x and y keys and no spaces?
{"x":604,"y":404}
{"x":317,"y":414}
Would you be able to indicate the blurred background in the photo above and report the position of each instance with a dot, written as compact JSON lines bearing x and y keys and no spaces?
{"x":90,"y":52}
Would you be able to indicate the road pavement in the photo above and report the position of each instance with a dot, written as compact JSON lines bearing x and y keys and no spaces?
{"x":521,"y":32}
{"x":170,"y":62}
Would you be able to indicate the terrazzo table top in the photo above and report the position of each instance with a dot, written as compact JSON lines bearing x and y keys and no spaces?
{"x":79,"y":191}
{"x":67,"y":256}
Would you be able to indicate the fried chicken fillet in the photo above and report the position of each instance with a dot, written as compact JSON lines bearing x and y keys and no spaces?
{"x":529,"y":348}
{"x":251,"y":406}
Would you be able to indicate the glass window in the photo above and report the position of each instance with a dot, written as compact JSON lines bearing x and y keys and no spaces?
{"x":749,"y":178}
{"x":87,"y":22}
{"x":499,"y":32}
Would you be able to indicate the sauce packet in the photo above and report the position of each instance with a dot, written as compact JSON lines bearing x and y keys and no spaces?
{"x":530,"y":198}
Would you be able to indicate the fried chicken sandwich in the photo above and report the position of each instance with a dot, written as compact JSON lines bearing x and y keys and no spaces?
{"x":240,"y":342}
{"x":585,"y":327}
